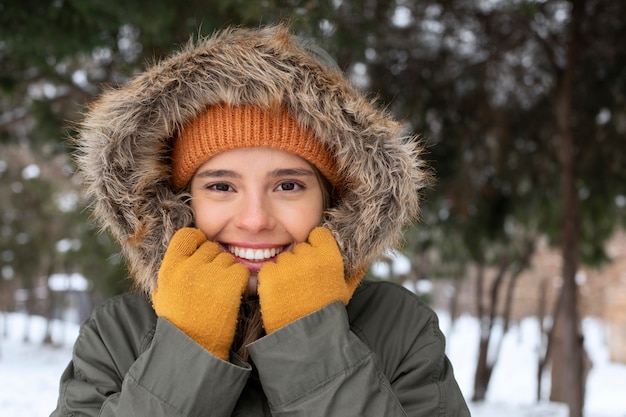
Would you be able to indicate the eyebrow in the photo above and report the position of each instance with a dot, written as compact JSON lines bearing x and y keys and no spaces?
{"x":281,"y":172}
{"x":292,"y":172}
{"x":217,"y":173}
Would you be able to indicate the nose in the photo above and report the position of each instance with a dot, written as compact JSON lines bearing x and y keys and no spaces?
{"x":255,"y":214}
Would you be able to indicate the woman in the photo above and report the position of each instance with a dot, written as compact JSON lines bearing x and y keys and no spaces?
{"x":250,"y":186}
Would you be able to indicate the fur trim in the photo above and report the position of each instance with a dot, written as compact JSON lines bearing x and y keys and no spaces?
{"x":124,"y":143}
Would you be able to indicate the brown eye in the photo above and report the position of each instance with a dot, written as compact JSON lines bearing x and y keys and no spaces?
{"x":289,"y":186}
{"x":220,"y":187}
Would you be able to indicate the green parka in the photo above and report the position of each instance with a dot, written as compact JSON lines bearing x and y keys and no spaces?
{"x":383,"y":355}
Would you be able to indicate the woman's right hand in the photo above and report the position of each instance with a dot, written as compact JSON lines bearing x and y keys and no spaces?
{"x":199,"y":290}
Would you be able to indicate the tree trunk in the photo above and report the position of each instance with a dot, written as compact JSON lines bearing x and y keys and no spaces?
{"x":50,"y":304}
{"x":484,"y":366}
{"x":548,"y":335}
{"x":50,"y":309}
{"x":479,"y":393}
{"x":544,"y":341}
{"x":453,"y":306}
{"x":567,"y":361}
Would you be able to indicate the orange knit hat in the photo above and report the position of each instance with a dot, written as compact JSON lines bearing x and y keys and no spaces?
{"x":222,"y":128}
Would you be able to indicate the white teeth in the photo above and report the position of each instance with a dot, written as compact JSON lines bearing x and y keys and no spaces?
{"x":254,"y":254}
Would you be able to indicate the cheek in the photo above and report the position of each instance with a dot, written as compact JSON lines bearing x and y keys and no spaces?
{"x":206,"y":219}
{"x":301,"y":222}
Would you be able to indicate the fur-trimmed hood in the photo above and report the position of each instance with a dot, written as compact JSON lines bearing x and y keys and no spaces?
{"x":125,"y":141}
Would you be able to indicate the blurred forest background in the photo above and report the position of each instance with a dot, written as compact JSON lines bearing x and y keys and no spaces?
{"x":522,"y":104}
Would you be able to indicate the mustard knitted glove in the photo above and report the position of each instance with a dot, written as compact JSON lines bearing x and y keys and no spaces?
{"x":200,"y":289}
{"x":303,"y":281}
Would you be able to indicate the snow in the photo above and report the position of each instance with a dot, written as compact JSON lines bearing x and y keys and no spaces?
{"x":68,"y":282}
{"x":30,"y":372}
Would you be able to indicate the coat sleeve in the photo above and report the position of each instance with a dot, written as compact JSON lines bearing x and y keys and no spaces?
{"x":317,"y":366}
{"x":110,"y":375}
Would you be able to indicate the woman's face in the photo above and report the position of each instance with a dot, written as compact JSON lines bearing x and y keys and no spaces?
{"x":256,"y":203}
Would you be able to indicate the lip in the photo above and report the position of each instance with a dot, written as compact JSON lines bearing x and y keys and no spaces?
{"x":255,"y":255}
{"x":262,"y":251}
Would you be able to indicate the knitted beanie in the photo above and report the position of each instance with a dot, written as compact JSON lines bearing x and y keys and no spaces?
{"x":224,"y":127}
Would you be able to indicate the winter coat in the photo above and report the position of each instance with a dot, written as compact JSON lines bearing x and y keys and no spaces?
{"x":382,"y":355}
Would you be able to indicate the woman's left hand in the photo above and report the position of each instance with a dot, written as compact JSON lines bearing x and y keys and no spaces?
{"x":303,"y":281}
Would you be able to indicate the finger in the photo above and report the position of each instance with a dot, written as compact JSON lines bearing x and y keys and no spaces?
{"x":185,"y":242}
{"x":270,"y":268}
{"x":321,"y":236}
{"x":286,"y":257}
{"x":224,"y":260}
{"x":207,"y":251}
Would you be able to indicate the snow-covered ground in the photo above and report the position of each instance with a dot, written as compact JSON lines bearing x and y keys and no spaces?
{"x":513,"y":385}
{"x":29,"y":373}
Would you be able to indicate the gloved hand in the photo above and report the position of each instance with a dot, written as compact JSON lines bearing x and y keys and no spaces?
{"x":303,"y":281}
{"x":199,"y":290}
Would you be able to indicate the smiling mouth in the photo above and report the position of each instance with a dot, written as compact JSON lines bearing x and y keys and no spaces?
{"x":255,"y":255}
